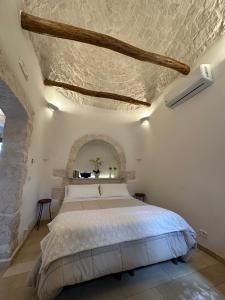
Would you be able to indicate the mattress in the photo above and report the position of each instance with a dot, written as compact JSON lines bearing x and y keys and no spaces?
{"x":93,"y":263}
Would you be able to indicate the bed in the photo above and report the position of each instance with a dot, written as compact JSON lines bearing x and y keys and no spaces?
{"x":102,"y":230}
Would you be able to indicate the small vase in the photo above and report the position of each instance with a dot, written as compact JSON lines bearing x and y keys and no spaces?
{"x":76,"y":174}
{"x":115,"y":172}
{"x":96,"y":173}
{"x":110,"y":172}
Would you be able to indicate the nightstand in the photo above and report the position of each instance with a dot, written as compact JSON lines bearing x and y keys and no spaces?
{"x":140,"y":196}
{"x":41,"y":204}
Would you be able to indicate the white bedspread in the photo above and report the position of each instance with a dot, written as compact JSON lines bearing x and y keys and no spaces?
{"x":76,"y":231}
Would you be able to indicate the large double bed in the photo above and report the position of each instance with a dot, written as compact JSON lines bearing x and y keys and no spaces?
{"x":102,"y":230}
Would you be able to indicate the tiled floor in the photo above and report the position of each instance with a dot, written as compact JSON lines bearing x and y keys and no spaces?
{"x":201,"y":279}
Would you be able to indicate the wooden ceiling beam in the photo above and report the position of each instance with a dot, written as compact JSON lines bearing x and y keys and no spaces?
{"x":97,"y":94}
{"x":64,"y":31}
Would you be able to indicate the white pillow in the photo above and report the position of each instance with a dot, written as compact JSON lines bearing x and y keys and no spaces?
{"x":114,"y":190}
{"x":82,"y":191}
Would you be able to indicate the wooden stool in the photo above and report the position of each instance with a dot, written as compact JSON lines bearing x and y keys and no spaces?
{"x":41,"y":204}
{"x":140,"y":196}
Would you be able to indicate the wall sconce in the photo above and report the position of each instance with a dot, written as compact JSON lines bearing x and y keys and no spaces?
{"x":145,"y":121}
{"x":52,"y":106}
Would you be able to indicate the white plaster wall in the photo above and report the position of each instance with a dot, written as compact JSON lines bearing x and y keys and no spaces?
{"x":32,"y":186}
{"x":73,"y":121}
{"x":15,"y":45}
{"x":185,"y":156}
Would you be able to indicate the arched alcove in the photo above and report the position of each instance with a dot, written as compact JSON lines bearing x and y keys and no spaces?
{"x":98,"y":149}
{"x":13,"y":158}
{"x":87,"y":139}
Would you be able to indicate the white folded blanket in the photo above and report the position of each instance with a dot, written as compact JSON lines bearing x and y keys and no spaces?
{"x":76,"y":231}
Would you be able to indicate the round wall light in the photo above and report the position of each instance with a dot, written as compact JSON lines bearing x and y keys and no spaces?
{"x":145,"y":121}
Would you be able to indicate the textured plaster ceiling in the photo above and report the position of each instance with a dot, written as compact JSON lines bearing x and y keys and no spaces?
{"x":182,"y":29}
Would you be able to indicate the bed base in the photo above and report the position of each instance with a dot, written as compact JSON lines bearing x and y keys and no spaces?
{"x":118,"y":276}
{"x":174,"y":260}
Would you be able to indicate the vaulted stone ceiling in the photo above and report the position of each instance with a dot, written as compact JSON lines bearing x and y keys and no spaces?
{"x":182,"y":29}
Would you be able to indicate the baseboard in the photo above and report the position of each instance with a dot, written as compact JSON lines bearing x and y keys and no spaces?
{"x":4,"y":263}
{"x":211,"y":253}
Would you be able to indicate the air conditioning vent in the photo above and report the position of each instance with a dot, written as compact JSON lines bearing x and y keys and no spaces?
{"x":188,"y":87}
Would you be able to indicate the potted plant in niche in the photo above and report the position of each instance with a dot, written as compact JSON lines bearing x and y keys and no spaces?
{"x":97,"y":163}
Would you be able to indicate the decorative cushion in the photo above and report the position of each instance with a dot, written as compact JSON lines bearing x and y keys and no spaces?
{"x":114,"y":190}
{"x":82,"y":191}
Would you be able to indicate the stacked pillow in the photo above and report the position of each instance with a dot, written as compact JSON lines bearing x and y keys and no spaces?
{"x":82,"y":191}
{"x":114,"y":190}
{"x":93,"y":191}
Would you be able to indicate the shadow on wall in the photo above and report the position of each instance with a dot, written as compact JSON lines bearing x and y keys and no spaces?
{"x":13,"y":160}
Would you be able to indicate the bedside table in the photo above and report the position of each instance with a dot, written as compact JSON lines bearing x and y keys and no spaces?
{"x":140,"y":196}
{"x":41,"y":204}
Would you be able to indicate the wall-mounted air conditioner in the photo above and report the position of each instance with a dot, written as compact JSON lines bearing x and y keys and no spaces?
{"x":187,"y":87}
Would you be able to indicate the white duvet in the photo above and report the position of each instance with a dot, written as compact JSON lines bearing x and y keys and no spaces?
{"x":76,"y":231}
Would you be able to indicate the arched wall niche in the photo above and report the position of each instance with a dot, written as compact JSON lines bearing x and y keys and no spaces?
{"x":107,"y":154}
{"x":13,"y":167}
{"x":78,"y":144}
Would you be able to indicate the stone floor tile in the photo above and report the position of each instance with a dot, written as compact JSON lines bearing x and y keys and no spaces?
{"x":150,"y":294}
{"x":221,"y":288}
{"x":2,"y":272}
{"x":215,"y":274}
{"x":144,"y":279}
{"x":216,"y":294}
{"x":25,"y":256}
{"x":200,"y":260}
{"x":193,"y":286}
{"x":20,"y":294}
{"x":31,"y":248}
{"x":13,"y":282}
{"x":19,"y":268}
{"x":176,"y":271}
{"x":101,"y":289}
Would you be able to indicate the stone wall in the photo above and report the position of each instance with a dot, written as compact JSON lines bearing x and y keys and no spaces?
{"x":13,"y":160}
{"x":12,"y":108}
